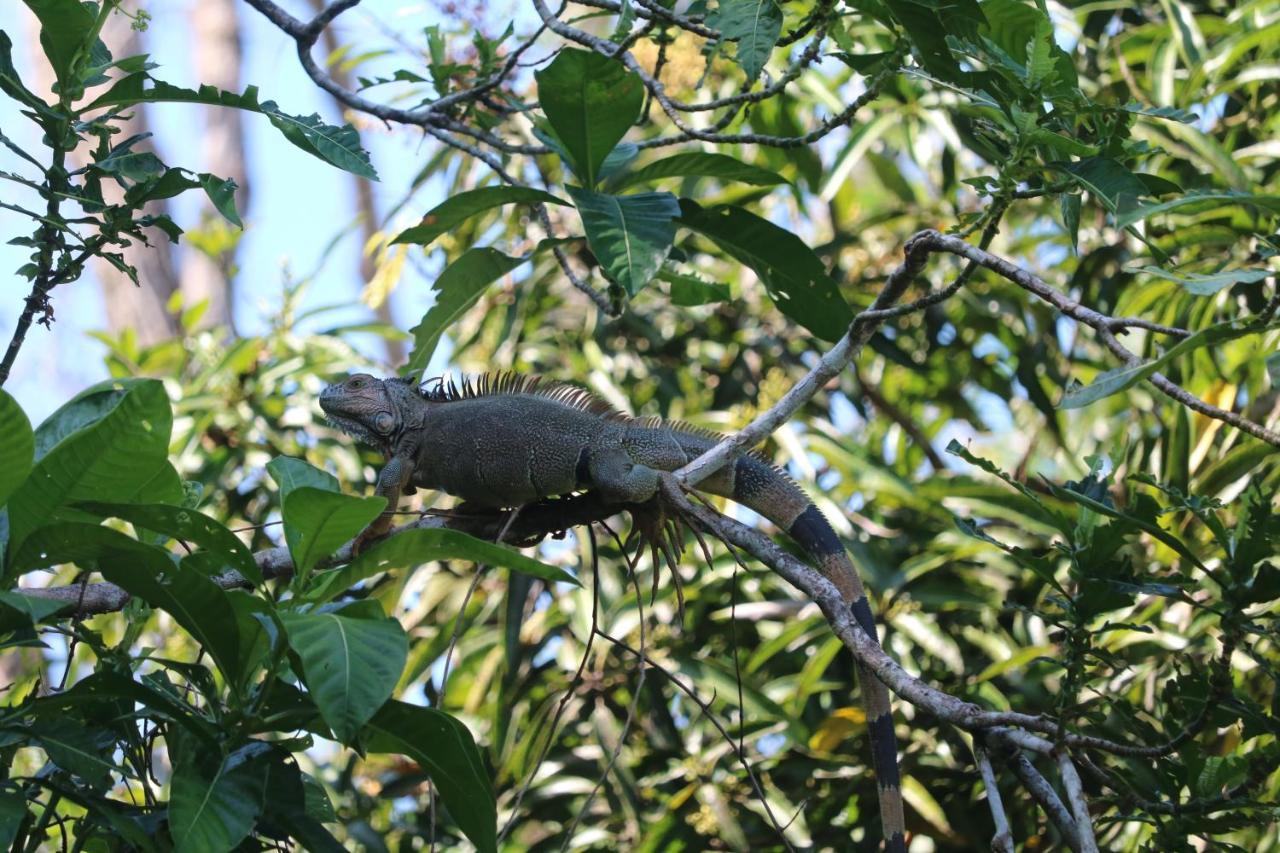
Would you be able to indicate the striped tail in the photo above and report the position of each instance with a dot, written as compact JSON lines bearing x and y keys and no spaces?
{"x":765,"y":489}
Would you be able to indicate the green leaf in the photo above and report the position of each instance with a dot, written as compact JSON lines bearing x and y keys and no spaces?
{"x":794,"y":276}
{"x":114,"y":456}
{"x":215,"y":800}
{"x":1207,"y":285}
{"x":754,"y":25}
{"x":17,"y":446}
{"x":338,"y":146}
{"x":457,"y":209}
{"x":222,"y":195}
{"x":13,"y":811}
{"x":1118,"y":379}
{"x":21,"y":611}
{"x":147,"y":572}
{"x":1117,"y":188}
{"x":65,"y":26}
{"x":290,"y":473}
{"x":445,"y":749}
{"x":456,"y":290}
{"x":1070,"y":204}
{"x":350,"y":662}
{"x":186,"y":525}
{"x":1171,"y":113}
{"x":11,"y":84}
{"x":630,"y":235}
{"x":1199,"y":202}
{"x":699,"y":164}
{"x":689,"y":290}
{"x":590,"y":101}
{"x":317,"y":522}
{"x":412,"y":548}
{"x":76,"y":749}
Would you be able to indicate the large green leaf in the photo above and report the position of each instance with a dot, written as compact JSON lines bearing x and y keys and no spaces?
{"x":318,"y":522}
{"x":796,"y":279}
{"x":351,"y":661}
{"x":115,"y":456}
{"x":17,"y":446}
{"x":290,"y":473}
{"x":755,"y":26}
{"x":630,"y":235}
{"x":147,"y":572}
{"x":215,"y":800}
{"x":456,"y":290}
{"x":590,"y":101}
{"x":457,"y":209}
{"x":412,"y":548}
{"x":338,"y":146}
{"x":1118,"y":379}
{"x":186,"y":525}
{"x":75,"y":748}
{"x":445,"y":749}
{"x":703,"y":164}
{"x":65,"y":26}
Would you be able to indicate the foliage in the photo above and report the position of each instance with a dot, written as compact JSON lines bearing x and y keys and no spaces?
{"x":1091,"y":551}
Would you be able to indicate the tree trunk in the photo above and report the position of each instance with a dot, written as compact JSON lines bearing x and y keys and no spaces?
{"x":217,"y":53}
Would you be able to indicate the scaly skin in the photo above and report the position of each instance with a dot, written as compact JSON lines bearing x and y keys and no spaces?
{"x":507,"y":441}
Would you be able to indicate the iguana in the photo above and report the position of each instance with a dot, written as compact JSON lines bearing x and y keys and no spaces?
{"x":507,"y":440}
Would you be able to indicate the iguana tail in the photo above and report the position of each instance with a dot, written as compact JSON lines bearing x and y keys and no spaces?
{"x":763,"y":488}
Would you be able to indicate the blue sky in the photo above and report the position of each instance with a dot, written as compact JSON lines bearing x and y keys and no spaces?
{"x":299,"y":203}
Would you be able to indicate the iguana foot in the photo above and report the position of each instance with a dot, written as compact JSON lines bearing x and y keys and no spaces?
{"x":657,"y":525}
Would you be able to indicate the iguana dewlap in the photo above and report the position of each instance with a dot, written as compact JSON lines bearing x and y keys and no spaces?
{"x":505,"y":440}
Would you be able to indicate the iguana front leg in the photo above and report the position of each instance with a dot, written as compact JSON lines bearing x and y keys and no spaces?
{"x":392,"y":482}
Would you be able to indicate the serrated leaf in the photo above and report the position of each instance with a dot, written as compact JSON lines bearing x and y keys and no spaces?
{"x":702,"y":164}
{"x":412,"y":548}
{"x":445,"y":749}
{"x":1171,"y":113}
{"x":222,"y":195}
{"x":590,"y":102}
{"x":754,"y":25}
{"x":457,"y":209}
{"x":338,"y":146}
{"x":350,"y":663}
{"x":630,"y":235}
{"x":794,"y":276}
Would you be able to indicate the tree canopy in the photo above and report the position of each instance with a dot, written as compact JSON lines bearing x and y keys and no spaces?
{"x":994,"y":281}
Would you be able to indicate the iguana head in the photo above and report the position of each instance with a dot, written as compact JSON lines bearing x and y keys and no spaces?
{"x":368,"y":409}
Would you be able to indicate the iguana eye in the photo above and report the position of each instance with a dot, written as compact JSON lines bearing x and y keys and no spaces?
{"x":355,"y":382}
{"x":384,"y":422}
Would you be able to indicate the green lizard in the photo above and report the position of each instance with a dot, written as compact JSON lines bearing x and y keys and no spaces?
{"x":505,"y":440}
